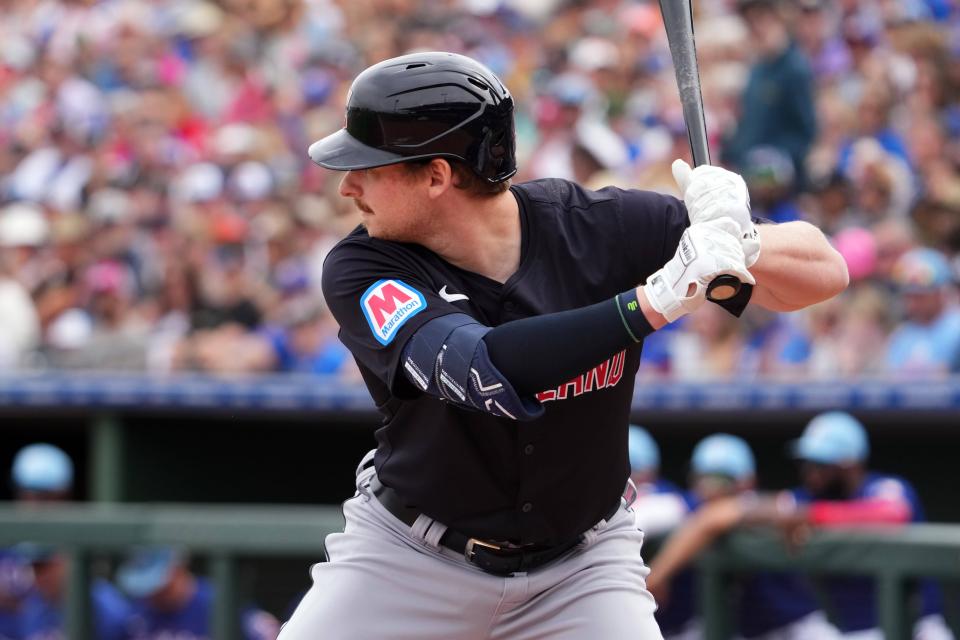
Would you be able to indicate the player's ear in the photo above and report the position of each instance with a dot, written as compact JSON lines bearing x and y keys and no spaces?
{"x":441,"y":176}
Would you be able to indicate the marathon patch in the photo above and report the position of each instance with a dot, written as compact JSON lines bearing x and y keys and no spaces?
{"x":387,"y":305}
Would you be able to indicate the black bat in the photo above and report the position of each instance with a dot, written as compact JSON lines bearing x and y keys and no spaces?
{"x":678,"y":22}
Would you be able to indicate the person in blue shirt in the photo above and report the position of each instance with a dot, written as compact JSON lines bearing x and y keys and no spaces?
{"x":772,"y":606}
{"x":169,"y":601}
{"x":838,"y":490}
{"x":928,"y":341}
{"x":42,"y":611}
{"x":305,"y":340}
{"x":16,"y":579}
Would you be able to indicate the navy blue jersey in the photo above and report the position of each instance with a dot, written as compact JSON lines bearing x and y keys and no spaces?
{"x":770,"y":601}
{"x":542,"y":481}
{"x":662,"y":485}
{"x":853,"y":598}
{"x":10,"y":624}
{"x":681,"y":607}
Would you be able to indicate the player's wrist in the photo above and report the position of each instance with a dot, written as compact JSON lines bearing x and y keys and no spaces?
{"x":750,"y":242}
{"x":654,"y":317}
{"x":638,"y":317}
{"x":663,"y":300}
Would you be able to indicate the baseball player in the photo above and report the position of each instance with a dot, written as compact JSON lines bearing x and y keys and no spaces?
{"x":498,"y":329}
{"x":838,"y":490}
{"x":42,"y":610}
{"x":772,"y":606}
{"x":16,"y":580}
{"x":169,"y":601}
{"x":659,"y":505}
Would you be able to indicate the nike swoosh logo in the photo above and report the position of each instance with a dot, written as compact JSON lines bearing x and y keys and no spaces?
{"x":451,"y":297}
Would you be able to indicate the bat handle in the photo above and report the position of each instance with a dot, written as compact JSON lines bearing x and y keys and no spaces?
{"x":723,"y":288}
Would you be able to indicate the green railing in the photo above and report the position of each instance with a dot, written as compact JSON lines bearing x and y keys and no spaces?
{"x":220,"y":533}
{"x":224,"y":534}
{"x":894,"y":556}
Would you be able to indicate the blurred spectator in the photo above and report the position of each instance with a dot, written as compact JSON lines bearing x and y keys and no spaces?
{"x":893,"y":239}
{"x":16,"y":580}
{"x":23,"y":230}
{"x":770,"y":177}
{"x":882,"y":184}
{"x":597,"y":155}
{"x":817,"y":35}
{"x":838,"y":490}
{"x":659,"y":505}
{"x":938,"y":224}
{"x":842,"y":335}
{"x":42,"y":610}
{"x":777,"y":107}
{"x":306,"y":340}
{"x":873,"y":125}
{"x":771,"y":605}
{"x":42,"y":473}
{"x":171,"y":602}
{"x":720,"y":464}
{"x":928,"y":342}
{"x":561,"y":112}
{"x":713,"y":346}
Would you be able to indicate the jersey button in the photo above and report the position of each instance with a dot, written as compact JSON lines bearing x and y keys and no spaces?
{"x":528,"y":449}
{"x":527,"y":507}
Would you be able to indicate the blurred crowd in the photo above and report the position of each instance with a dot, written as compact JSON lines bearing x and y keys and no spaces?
{"x":158,"y":211}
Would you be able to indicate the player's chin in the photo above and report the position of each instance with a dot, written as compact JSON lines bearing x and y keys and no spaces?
{"x":375,"y":230}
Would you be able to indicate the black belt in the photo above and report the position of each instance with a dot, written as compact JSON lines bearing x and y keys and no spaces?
{"x":492,"y":557}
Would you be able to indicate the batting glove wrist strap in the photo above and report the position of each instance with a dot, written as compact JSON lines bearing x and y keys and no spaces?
{"x":706,"y":250}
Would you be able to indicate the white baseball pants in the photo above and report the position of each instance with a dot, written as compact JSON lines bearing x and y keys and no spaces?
{"x":387,"y":581}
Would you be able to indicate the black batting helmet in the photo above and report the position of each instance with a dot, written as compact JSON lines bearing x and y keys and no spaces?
{"x":425,"y":105}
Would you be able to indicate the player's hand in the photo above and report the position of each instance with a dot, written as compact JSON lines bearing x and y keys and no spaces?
{"x":713,"y":192}
{"x":706,"y":250}
{"x":659,"y":589}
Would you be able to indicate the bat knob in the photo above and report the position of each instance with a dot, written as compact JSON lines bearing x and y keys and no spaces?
{"x":723,"y":288}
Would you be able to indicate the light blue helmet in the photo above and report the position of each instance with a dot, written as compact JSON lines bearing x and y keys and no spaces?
{"x":42,"y":467}
{"x":644,"y":452}
{"x":725,"y":455}
{"x":922,"y":270}
{"x":834,"y":437}
{"x":146,"y":570}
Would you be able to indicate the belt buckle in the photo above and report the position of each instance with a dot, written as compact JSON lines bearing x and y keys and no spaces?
{"x":469,"y":553}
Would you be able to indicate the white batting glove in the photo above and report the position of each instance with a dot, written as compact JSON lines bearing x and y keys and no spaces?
{"x":713,"y":192}
{"x":707,"y":250}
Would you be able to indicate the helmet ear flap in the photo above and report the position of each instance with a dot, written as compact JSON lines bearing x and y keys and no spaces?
{"x":494,"y":152}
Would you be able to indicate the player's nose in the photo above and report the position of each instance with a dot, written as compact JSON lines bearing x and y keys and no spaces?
{"x":350,"y":185}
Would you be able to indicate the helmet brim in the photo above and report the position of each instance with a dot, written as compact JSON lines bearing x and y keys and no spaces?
{"x":342,"y":152}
